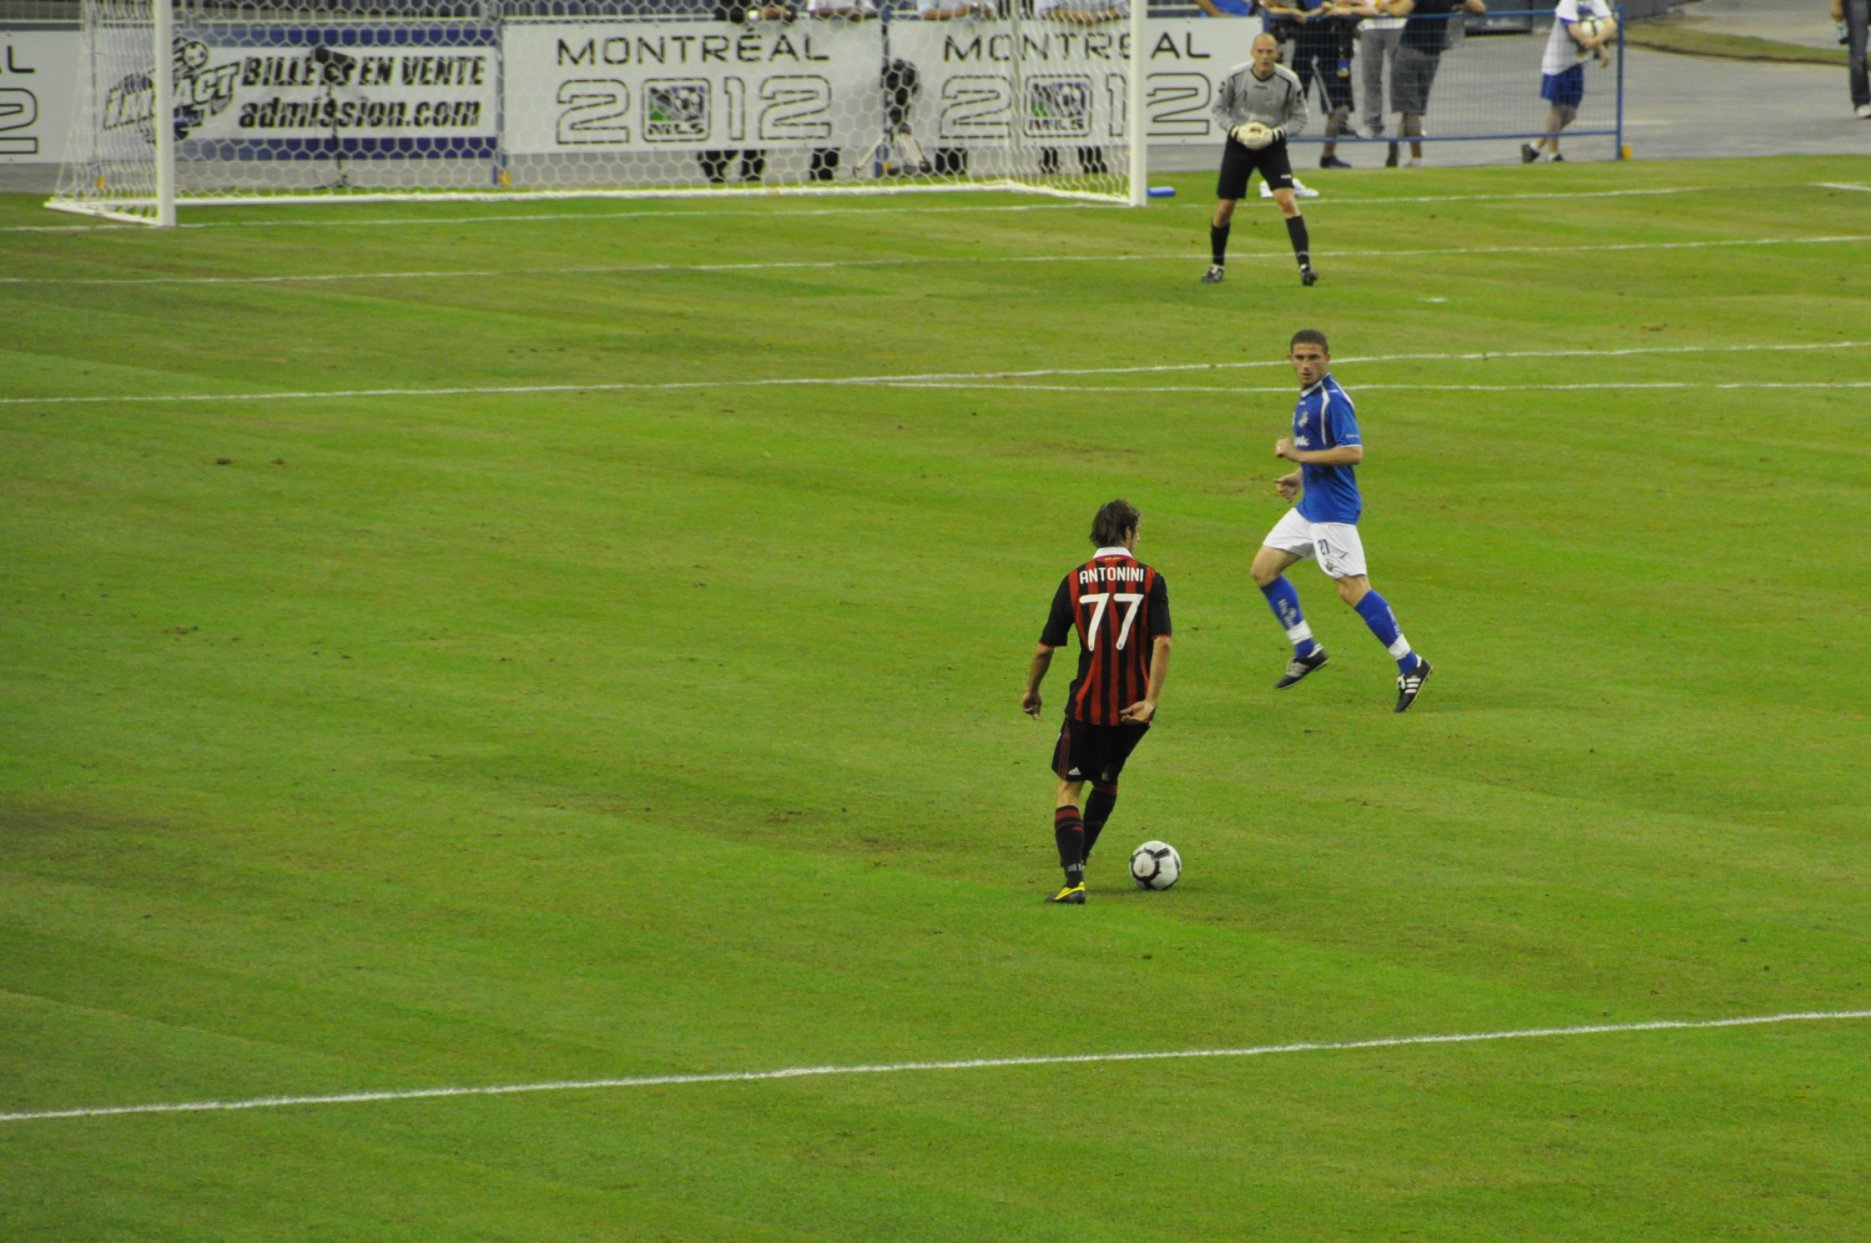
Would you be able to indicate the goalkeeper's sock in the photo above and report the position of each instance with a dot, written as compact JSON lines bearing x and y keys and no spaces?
{"x":1283,"y":599}
{"x":1218,"y":243}
{"x":1302,"y":243}
{"x":1098,"y":811}
{"x":1377,"y":614}
{"x":1069,"y":831}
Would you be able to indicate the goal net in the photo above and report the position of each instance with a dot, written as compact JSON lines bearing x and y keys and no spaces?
{"x":198,"y":102}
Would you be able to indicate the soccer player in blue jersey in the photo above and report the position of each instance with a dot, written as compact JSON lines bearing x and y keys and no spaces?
{"x":1324,"y":524}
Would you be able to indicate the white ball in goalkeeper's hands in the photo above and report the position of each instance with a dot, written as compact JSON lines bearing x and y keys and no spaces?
{"x":1252,"y":134}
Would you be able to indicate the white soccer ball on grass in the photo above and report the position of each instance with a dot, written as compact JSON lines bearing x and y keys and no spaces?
{"x":1155,"y":865}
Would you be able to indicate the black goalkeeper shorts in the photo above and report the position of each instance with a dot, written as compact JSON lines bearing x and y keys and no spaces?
{"x":1238,"y":164}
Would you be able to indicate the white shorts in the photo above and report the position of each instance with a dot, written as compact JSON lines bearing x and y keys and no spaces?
{"x":1336,"y":544}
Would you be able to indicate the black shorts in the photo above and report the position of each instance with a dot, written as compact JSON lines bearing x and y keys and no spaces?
{"x":1238,"y":163}
{"x":1315,"y":56}
{"x":1087,"y":752}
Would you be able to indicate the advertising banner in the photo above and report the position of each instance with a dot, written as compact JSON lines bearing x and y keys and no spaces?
{"x":651,"y":86}
{"x":575,"y":87}
{"x":38,"y":92}
{"x":276,"y":91}
{"x":295,"y":92}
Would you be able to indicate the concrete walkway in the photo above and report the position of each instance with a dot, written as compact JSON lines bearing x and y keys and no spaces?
{"x":1691,"y":107}
{"x":1803,"y":23}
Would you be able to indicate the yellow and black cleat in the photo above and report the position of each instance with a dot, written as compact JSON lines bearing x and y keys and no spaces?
{"x":1071,"y":895}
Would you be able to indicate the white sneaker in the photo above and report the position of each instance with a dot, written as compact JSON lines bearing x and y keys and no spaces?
{"x":1414,"y":164}
{"x":1300,"y":190}
{"x":1864,"y":110}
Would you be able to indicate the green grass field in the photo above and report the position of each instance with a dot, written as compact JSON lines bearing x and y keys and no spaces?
{"x":457,"y":646}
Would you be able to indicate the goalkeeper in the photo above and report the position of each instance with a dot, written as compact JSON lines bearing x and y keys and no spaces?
{"x":1259,"y":104}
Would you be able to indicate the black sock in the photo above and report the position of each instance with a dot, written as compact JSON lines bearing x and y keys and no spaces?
{"x":1098,"y":811}
{"x":1069,"y":831}
{"x":1302,"y":244}
{"x":1218,"y":242}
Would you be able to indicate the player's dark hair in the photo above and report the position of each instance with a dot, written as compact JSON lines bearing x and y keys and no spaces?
{"x":1113,"y":521}
{"x":1311,"y":336}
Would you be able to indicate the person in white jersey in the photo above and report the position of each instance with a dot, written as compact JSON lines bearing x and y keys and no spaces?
{"x":1562,"y":68}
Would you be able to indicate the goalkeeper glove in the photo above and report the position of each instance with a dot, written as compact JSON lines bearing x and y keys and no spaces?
{"x":1244,"y":132}
{"x":1264,"y":137}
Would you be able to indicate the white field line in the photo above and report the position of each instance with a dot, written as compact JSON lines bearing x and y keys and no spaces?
{"x":347,"y":218}
{"x":1377,"y":388}
{"x":936,"y":378}
{"x":1843,"y":185}
{"x":894,"y":1068}
{"x":893,"y":261}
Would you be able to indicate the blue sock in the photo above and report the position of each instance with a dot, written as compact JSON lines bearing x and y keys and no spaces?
{"x":1375,"y":610}
{"x":1283,"y":599}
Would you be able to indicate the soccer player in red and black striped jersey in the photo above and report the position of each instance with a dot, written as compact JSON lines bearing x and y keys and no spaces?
{"x":1120,"y":608}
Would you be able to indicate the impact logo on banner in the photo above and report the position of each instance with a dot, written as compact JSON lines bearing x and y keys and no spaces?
{"x":201,"y":92}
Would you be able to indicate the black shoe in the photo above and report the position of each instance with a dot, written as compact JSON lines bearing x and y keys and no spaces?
{"x":1071,"y":895}
{"x":1390,"y":160}
{"x":1558,"y":158}
{"x":1307,"y":276}
{"x":1300,"y":666}
{"x":1332,"y":161}
{"x":1408,"y":684}
{"x":1528,"y":153}
{"x":1214,"y":274}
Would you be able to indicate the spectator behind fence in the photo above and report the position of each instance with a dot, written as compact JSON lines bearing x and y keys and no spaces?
{"x":1419,"y":53}
{"x":1562,"y":67}
{"x":1856,"y":18}
{"x":1321,"y":40}
{"x":1228,"y":8}
{"x":1378,"y":33}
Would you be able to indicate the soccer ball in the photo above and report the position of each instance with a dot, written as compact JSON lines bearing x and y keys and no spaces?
{"x":1155,"y":865}
{"x":1589,"y":28}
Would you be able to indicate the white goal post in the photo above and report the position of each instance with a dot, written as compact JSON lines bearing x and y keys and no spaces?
{"x":242,"y":101}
